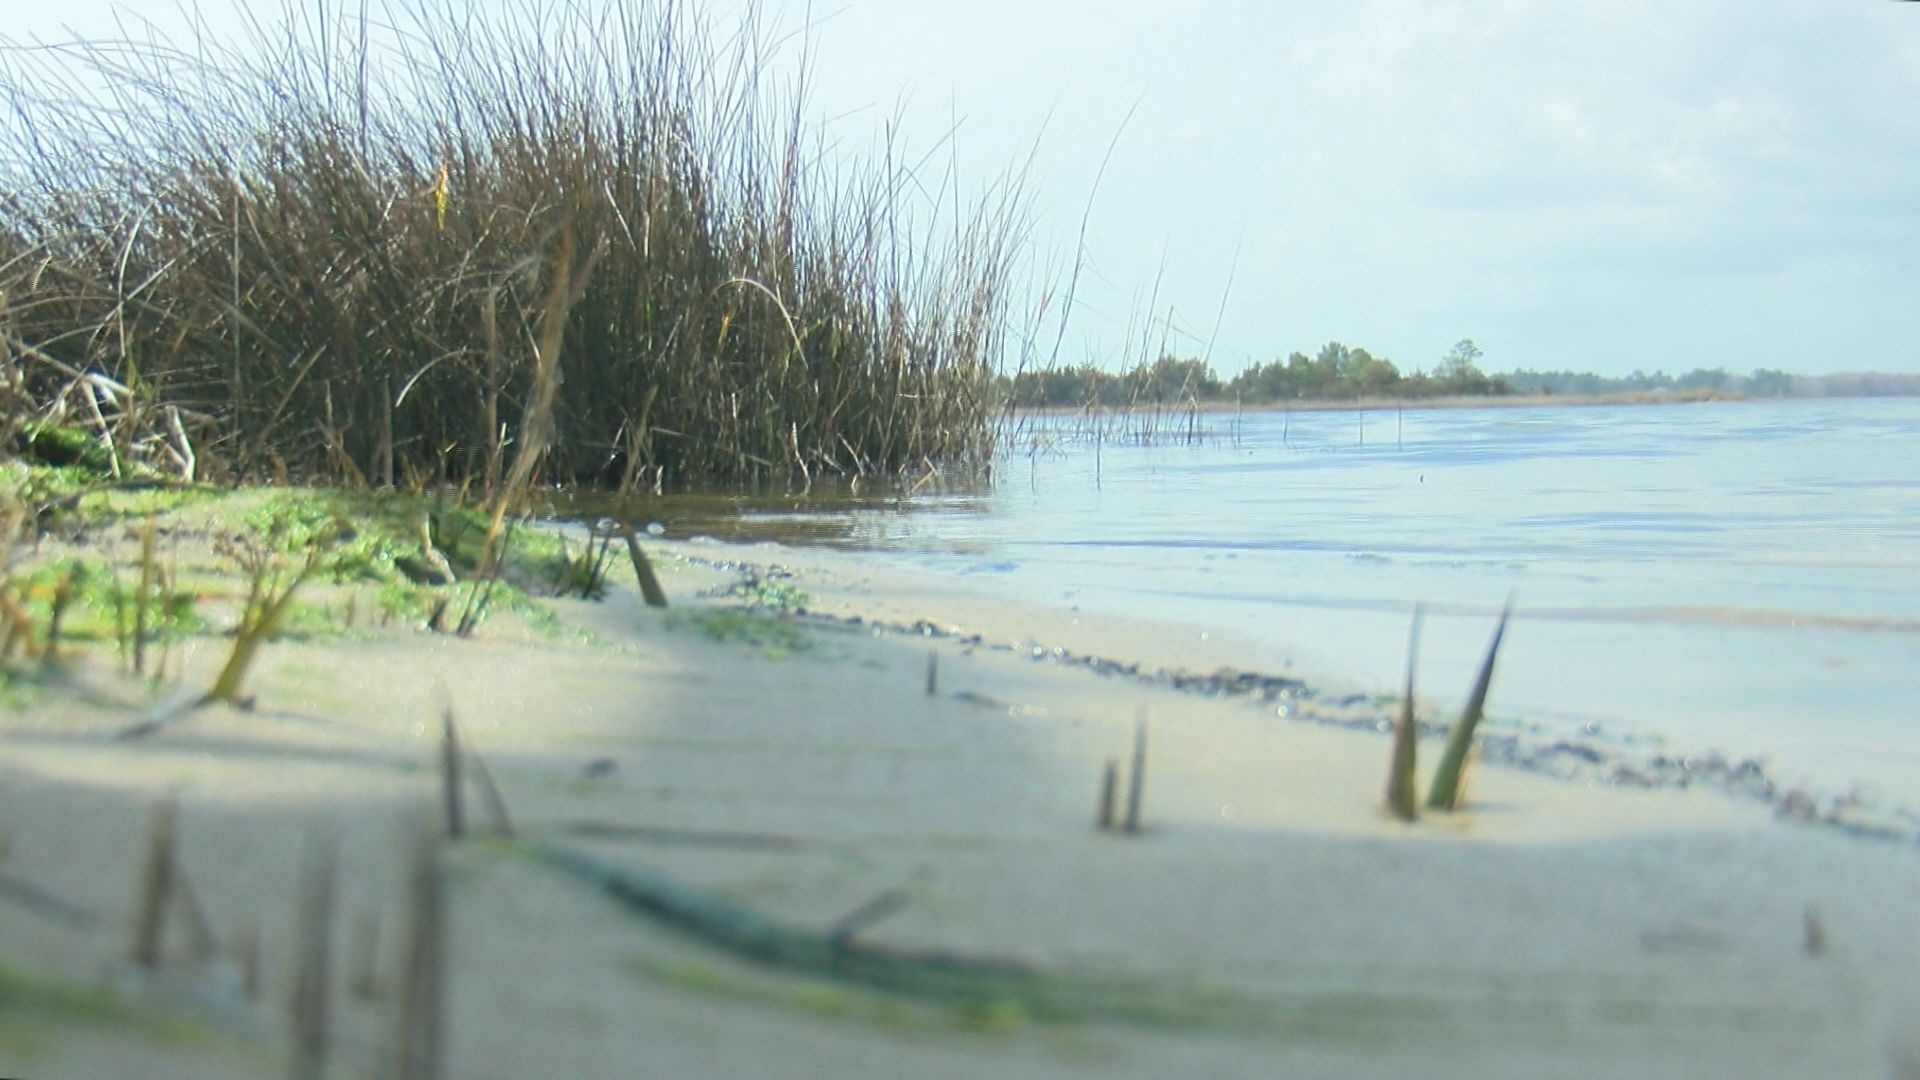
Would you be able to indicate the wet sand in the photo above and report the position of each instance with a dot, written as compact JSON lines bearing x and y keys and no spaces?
{"x":1276,"y":920}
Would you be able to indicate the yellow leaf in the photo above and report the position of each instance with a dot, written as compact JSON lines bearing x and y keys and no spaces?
{"x":440,"y":199}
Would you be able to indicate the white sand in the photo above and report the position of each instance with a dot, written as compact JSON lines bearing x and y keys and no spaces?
{"x":1553,"y":929}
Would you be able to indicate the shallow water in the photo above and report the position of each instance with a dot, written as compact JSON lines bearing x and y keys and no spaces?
{"x":1741,"y":576}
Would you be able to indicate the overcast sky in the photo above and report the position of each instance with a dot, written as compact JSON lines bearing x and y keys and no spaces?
{"x":1591,"y":185}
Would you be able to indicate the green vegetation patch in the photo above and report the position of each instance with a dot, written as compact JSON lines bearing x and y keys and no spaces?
{"x":31,"y":1004}
{"x":766,"y":592}
{"x":409,"y":545}
{"x":73,"y":448}
{"x":99,"y":602}
{"x":776,"y":634}
{"x":66,"y":497}
{"x":378,"y":537}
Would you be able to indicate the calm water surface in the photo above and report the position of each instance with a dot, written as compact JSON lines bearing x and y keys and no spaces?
{"x":1742,"y":576}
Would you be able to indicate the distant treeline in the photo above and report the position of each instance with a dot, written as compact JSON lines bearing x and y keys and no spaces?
{"x":1718,"y":382}
{"x":1339,"y":373}
{"x":1336,"y":373}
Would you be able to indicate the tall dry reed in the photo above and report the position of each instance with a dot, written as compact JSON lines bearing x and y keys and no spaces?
{"x":324,"y":245}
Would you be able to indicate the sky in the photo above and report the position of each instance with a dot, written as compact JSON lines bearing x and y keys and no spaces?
{"x":1600,"y":186}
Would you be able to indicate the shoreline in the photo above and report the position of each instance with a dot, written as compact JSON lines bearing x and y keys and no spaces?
{"x":808,"y":771}
{"x":1505,"y":401}
{"x":1585,"y":756}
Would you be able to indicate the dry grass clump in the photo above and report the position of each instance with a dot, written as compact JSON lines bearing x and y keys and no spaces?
{"x":325,"y":251}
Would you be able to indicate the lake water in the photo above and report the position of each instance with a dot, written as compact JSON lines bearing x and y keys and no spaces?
{"x":1739,"y":576}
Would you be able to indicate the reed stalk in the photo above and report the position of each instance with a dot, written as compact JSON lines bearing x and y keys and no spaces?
{"x":156,"y":885}
{"x":311,"y":1004}
{"x":331,"y":279}
{"x":1449,"y":779}
{"x":1137,"y":778}
{"x":1401,"y":800}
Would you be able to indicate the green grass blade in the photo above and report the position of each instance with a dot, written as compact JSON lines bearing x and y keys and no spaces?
{"x":1448,"y":779}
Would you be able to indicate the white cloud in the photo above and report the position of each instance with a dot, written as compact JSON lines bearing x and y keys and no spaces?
{"x":1399,"y":173}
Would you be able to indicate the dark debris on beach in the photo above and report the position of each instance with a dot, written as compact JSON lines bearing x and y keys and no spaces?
{"x":1582,"y":757}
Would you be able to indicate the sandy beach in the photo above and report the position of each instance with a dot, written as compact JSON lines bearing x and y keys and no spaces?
{"x":1268,"y":919}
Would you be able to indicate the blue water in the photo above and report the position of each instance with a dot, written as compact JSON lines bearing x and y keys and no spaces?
{"x":1739,"y":576}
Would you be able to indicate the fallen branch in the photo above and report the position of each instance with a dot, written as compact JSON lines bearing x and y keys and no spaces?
{"x":996,"y":985}
{"x":38,"y":900}
{"x":610,"y":830}
{"x":751,"y":935}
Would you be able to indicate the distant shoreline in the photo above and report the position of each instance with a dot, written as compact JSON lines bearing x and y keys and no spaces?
{"x":1504,"y":401}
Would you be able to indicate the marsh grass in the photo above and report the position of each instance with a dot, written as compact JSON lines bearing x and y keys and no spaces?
{"x":267,"y":604}
{"x":427,"y":556}
{"x":775,"y":635}
{"x":480,"y":589}
{"x":331,"y":249}
{"x":75,"y":601}
{"x":584,"y":575}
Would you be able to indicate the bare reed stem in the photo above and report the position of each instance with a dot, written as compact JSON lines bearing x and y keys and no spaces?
{"x":451,"y":791}
{"x":313,"y":951}
{"x":419,"y":1014}
{"x":1401,"y":801}
{"x":156,"y":885}
{"x":1109,"y":785}
{"x":1137,"y":781}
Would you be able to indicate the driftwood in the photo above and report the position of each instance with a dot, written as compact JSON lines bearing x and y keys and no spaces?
{"x":650,"y":589}
{"x":996,"y":986}
{"x":748,"y":934}
{"x":751,"y":841}
{"x":38,"y":900}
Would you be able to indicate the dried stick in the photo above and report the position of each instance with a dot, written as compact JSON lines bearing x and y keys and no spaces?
{"x":450,"y":776}
{"x":841,"y":932}
{"x":156,"y":884}
{"x":1109,"y":788}
{"x":643,"y":570}
{"x":490,"y":791}
{"x":420,"y":1016}
{"x":313,"y":942}
{"x":1138,"y":781}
